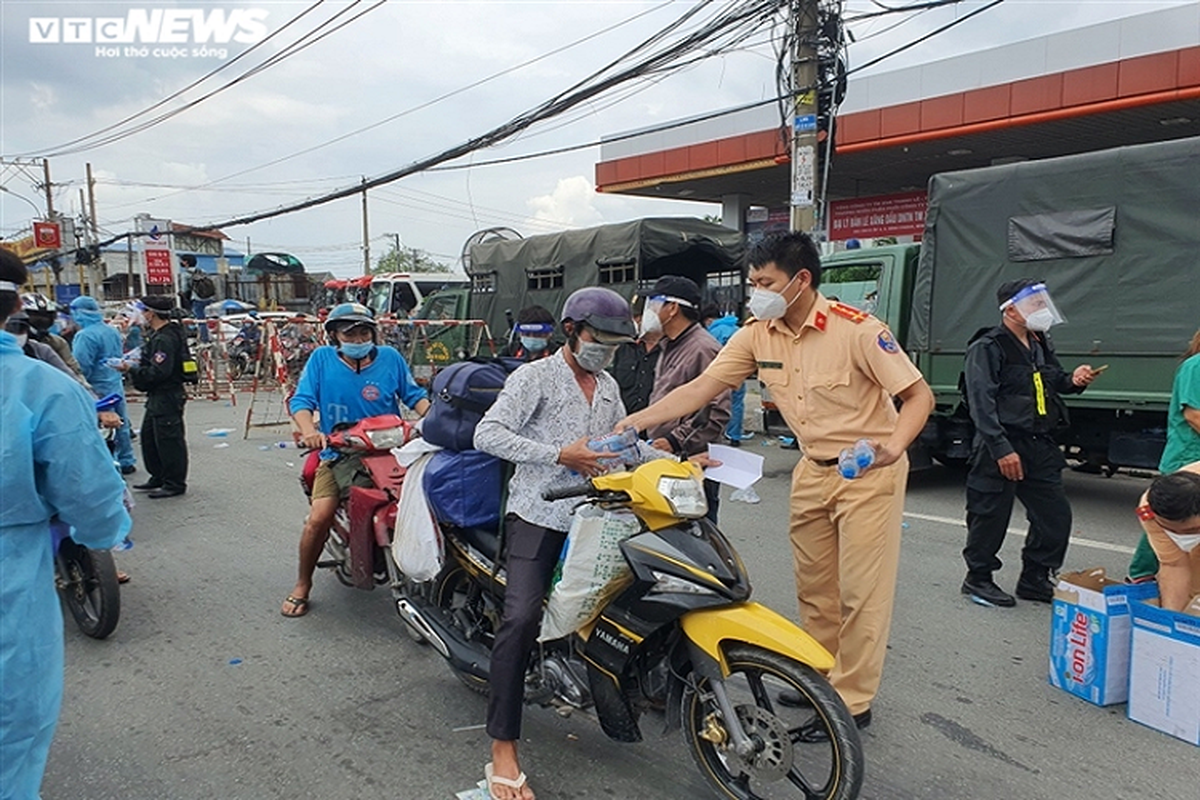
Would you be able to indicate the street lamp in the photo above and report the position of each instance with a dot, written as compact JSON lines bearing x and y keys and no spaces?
{"x":36,"y":210}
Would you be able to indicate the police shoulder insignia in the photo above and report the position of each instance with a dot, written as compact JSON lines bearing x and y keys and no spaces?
{"x":1145,"y":513}
{"x":849,"y":312}
{"x":160,"y":357}
{"x":886,"y":342}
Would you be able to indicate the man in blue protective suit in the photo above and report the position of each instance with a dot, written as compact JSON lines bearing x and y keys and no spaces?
{"x":351,"y":379}
{"x":55,"y":463}
{"x":94,"y":344}
{"x":722,"y":329}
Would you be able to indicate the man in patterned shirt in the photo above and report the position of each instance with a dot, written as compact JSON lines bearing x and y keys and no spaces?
{"x":536,"y":423}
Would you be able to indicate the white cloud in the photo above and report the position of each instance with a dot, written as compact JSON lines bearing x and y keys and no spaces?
{"x":571,"y":203}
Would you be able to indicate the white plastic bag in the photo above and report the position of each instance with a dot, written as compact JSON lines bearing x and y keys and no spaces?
{"x":592,"y":571}
{"x":417,"y":543}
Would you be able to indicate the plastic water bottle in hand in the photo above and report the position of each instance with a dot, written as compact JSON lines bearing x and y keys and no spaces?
{"x":854,"y":461}
{"x":622,"y":446}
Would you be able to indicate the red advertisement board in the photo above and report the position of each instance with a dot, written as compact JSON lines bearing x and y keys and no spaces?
{"x":874,"y":217}
{"x":158,"y":267}
{"x":48,"y":235}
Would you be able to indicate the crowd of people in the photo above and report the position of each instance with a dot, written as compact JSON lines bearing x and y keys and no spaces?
{"x":670,"y":367}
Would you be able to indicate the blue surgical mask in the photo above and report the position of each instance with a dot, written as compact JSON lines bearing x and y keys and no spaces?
{"x":356,"y":350}
{"x":534,"y":344}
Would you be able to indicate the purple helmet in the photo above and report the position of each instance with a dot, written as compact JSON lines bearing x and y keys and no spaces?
{"x":602,"y":310}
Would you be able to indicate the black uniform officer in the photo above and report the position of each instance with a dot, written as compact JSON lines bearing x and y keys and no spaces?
{"x":1013,"y":387}
{"x":160,"y":374}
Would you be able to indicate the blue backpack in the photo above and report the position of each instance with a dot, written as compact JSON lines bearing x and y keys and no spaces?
{"x":460,"y":396}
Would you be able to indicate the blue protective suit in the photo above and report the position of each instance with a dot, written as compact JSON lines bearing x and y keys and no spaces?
{"x":94,"y":343}
{"x":723,"y":329}
{"x":332,"y":388}
{"x":54,"y":463}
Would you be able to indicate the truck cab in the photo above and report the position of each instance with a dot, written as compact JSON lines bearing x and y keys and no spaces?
{"x":399,"y":294}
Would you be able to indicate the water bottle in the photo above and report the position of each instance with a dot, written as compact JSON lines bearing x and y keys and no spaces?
{"x":854,"y":461}
{"x":622,"y":446}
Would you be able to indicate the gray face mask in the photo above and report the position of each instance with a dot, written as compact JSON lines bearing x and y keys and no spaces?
{"x":593,"y":356}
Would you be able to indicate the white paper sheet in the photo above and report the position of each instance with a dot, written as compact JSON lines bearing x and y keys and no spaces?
{"x":738,"y":469}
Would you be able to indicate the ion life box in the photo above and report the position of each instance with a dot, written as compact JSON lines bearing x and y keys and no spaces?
{"x":1089,"y":635}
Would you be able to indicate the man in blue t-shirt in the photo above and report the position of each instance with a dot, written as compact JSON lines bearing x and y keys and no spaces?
{"x":351,"y":379}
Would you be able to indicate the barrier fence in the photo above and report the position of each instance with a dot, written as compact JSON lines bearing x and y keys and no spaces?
{"x":263,"y":356}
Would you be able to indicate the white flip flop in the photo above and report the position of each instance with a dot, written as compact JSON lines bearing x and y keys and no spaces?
{"x":511,"y":783}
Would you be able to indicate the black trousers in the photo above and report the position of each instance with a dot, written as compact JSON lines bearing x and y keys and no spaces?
{"x":532,"y":554}
{"x":164,"y":448}
{"x":990,"y":501}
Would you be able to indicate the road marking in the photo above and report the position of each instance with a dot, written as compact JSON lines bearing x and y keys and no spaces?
{"x":1075,"y":540}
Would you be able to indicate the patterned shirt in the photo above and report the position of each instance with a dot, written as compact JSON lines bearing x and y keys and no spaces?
{"x":540,"y":410}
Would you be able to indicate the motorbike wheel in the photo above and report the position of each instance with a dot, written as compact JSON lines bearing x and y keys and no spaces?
{"x":235,"y":368}
{"x":87,"y":582}
{"x":781,"y":767}
{"x":454,"y":593}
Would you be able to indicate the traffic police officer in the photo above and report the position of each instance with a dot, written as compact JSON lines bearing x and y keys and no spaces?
{"x":160,"y":374}
{"x":833,"y":370}
{"x":1013,"y":386}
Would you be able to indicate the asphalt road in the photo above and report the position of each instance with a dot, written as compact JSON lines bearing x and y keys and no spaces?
{"x":205,"y":691}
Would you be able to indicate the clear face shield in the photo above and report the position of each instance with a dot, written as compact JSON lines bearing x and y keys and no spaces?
{"x":1036,"y":307}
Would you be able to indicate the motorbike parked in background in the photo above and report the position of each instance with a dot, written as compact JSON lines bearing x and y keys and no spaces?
{"x":682,"y":637}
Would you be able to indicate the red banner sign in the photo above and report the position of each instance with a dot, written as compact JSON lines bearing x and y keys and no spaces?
{"x":874,"y":217}
{"x":158,"y":267}
{"x":48,"y":235}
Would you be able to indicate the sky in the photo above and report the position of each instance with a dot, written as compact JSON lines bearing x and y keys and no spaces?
{"x":444,"y":72}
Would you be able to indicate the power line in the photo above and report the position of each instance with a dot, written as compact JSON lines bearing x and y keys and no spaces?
{"x":194,"y":83}
{"x":292,"y":49}
{"x":743,"y":14}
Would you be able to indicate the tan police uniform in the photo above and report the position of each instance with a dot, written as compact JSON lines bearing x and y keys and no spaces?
{"x":833,"y":381}
{"x":1164,"y":547}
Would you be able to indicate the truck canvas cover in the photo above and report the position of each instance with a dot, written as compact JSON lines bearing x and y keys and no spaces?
{"x":1115,"y":234}
{"x":512,"y":274}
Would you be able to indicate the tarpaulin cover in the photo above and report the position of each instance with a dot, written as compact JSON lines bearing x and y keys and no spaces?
{"x":1139,"y":298}
{"x":597,"y":256}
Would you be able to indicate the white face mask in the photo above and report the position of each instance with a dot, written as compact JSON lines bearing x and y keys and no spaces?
{"x":1186,"y":542}
{"x":1040,"y":320}
{"x":593,"y":356}
{"x":22,"y":338}
{"x":765,"y":304}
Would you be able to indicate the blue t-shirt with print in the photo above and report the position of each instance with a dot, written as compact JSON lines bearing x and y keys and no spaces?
{"x":331,"y":387}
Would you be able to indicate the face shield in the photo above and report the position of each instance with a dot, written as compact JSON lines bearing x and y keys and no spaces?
{"x":1036,"y":307}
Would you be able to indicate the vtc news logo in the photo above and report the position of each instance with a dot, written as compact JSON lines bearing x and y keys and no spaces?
{"x":154,"y":26}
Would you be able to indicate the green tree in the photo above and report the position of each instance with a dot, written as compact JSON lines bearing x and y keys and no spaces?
{"x":408,"y":259}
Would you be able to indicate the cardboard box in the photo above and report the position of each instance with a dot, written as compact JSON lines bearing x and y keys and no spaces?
{"x":1089,"y":635}
{"x":1164,"y":669}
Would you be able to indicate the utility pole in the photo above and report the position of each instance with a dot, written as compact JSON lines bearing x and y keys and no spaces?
{"x":366,"y":232}
{"x":49,"y":190}
{"x":91,"y":191}
{"x":805,"y":71}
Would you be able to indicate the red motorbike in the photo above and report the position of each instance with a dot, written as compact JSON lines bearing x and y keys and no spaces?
{"x":359,"y":548}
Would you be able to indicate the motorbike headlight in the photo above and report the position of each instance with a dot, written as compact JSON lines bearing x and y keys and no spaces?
{"x":670,"y":584}
{"x":685,"y":496}
{"x":386,"y":438}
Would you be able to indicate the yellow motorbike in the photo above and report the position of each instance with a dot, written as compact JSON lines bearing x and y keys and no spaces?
{"x":682,"y":637}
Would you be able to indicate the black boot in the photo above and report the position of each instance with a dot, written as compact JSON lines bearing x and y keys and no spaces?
{"x":1035,"y":586}
{"x":985,"y":592}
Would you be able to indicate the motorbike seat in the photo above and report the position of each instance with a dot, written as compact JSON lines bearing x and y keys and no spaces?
{"x":484,"y":539}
